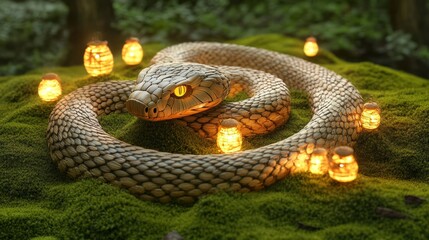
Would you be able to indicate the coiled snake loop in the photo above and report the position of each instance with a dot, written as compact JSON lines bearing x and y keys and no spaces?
{"x":81,"y":148}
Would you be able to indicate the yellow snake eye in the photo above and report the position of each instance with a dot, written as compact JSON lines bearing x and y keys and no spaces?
{"x":180,"y":91}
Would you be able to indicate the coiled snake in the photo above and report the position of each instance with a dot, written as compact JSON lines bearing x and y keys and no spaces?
{"x":179,"y":85}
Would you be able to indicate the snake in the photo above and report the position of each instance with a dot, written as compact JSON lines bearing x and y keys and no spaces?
{"x":187,"y":83}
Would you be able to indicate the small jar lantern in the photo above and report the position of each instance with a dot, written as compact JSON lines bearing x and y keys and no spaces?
{"x":132,"y":52}
{"x":319,"y":161}
{"x":98,"y":58}
{"x":310,"y":47}
{"x":370,"y":117}
{"x":229,"y":137}
{"x":50,"y":87}
{"x":343,"y":166}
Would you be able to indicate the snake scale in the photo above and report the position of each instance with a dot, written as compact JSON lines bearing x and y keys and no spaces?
{"x":81,"y":148}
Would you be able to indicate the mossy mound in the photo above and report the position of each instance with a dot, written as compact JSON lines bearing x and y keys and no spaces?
{"x":399,"y":148}
{"x":38,"y":202}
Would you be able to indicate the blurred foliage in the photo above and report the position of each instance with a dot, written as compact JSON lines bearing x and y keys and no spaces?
{"x":399,"y":45}
{"x":342,"y":25}
{"x":32,"y":34}
{"x":354,"y":30}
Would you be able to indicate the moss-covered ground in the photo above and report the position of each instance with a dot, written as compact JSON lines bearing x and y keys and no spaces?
{"x":38,"y":202}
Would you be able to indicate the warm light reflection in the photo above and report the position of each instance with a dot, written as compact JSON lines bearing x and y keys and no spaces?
{"x":229,"y":137}
{"x":310,"y":47}
{"x":319,"y":161}
{"x":50,"y":87}
{"x":98,"y":59}
{"x":132,"y":52}
{"x":370,"y":117}
{"x":343,"y":166}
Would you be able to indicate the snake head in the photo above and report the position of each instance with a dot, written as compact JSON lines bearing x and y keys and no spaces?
{"x":174,"y":90}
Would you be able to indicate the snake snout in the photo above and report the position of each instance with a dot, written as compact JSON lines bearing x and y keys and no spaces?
{"x":142,"y":110}
{"x":152,"y":112}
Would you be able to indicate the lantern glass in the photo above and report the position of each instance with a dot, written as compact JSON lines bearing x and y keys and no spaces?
{"x":50,"y":87}
{"x":343,"y":166}
{"x":132,"y":52}
{"x":229,"y":138}
{"x":310,"y":47}
{"x":370,"y":117}
{"x":319,"y":161}
{"x":98,"y":58}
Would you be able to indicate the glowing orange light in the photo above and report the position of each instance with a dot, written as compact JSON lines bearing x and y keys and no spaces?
{"x":319,"y":161}
{"x":50,"y":87}
{"x":370,"y":117}
{"x":132,"y":52}
{"x":98,"y":59}
{"x":310,"y":47}
{"x":343,"y":166}
{"x":229,"y":137}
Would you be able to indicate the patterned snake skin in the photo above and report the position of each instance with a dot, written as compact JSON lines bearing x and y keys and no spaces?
{"x":81,"y":148}
{"x":267,"y":108}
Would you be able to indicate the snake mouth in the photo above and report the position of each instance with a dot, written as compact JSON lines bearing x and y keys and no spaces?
{"x":141,"y":110}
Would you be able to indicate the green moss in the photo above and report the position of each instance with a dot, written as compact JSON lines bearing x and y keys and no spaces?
{"x":398,"y":149}
{"x":351,"y":231}
{"x":19,"y":88}
{"x":369,"y":76}
{"x":25,"y":222}
{"x":38,"y":202}
{"x":152,"y":135}
{"x":90,"y":209}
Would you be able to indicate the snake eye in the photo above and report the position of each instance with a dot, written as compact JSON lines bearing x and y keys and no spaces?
{"x":181,"y":91}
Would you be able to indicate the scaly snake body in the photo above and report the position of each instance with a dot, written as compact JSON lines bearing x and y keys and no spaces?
{"x":81,"y":148}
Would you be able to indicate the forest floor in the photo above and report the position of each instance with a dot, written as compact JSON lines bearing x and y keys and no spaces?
{"x":39,"y":202}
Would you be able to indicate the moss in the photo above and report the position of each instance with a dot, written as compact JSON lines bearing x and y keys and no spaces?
{"x":38,"y":202}
{"x":351,"y":231}
{"x":25,"y":222}
{"x":399,"y":147}
{"x":90,"y":209}
{"x":21,"y":88}
{"x":152,"y":135}
{"x":369,"y":76}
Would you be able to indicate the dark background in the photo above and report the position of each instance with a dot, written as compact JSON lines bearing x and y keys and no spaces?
{"x":36,"y":33}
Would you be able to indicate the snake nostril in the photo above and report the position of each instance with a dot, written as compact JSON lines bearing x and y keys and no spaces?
{"x":146,"y":109}
{"x":154,"y":110}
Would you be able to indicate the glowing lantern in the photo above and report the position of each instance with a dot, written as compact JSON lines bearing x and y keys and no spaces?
{"x":310,"y":47}
{"x":132,"y":52}
{"x":229,"y":137}
{"x":319,"y":161}
{"x":370,"y":117}
{"x":50,"y":87}
{"x":98,"y":59}
{"x":343,"y":166}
